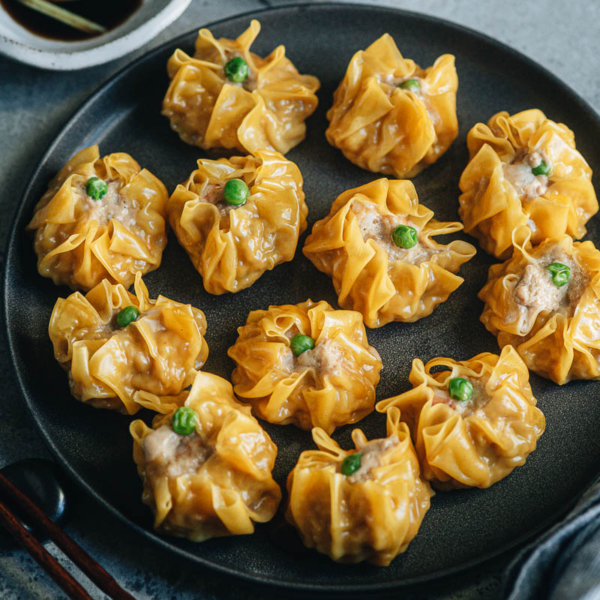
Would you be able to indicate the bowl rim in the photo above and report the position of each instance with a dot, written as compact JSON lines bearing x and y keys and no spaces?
{"x":56,"y":60}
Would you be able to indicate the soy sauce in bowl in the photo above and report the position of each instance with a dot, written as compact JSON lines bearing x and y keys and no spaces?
{"x":107,"y":13}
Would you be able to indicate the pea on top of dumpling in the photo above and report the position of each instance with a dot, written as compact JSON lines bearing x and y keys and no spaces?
{"x":206,"y":464}
{"x":101,"y":218}
{"x":239,"y":217}
{"x":391,"y":116}
{"x":306,"y":364}
{"x":525,"y":178}
{"x":472,"y":421}
{"x":228,"y":97}
{"x":545,"y":301}
{"x":377,"y":244}
{"x":362,"y":504}
{"x":113,"y":344}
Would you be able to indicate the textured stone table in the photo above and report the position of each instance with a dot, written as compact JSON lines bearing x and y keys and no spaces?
{"x":35,"y":104}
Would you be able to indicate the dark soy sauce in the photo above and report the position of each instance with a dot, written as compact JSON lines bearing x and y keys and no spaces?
{"x":109,"y":13}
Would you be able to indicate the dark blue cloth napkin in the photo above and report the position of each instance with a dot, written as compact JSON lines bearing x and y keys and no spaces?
{"x":565,"y":563}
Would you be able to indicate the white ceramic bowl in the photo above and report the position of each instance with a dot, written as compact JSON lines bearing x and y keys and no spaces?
{"x":151,"y":18}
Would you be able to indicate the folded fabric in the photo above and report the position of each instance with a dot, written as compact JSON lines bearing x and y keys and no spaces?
{"x":565,"y":563}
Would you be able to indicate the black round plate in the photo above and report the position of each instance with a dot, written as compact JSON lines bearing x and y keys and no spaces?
{"x":462,"y":528}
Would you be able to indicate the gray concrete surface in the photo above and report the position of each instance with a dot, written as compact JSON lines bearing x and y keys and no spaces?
{"x":35,"y":104}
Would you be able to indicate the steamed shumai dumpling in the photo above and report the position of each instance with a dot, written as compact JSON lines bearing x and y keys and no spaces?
{"x":231,"y":245}
{"x":474,"y":421}
{"x":362,"y":504}
{"x":525,"y":175}
{"x":390,"y":116}
{"x":206,"y":463}
{"x":81,"y":240}
{"x":545,"y":301}
{"x":306,"y":364}
{"x":264,"y":111}
{"x":108,"y":360}
{"x":384,"y":276}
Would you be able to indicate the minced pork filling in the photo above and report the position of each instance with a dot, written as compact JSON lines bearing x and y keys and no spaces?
{"x":171,"y":454}
{"x":379,"y":227}
{"x":325,"y":359}
{"x":213,"y":194}
{"x":478,"y":399}
{"x":527,"y":185}
{"x":371,"y":454}
{"x":535,"y":290}
{"x":113,"y":205}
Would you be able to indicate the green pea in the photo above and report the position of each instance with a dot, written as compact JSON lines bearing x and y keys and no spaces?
{"x":351,"y":464}
{"x":95,"y":188}
{"x":460,"y":389}
{"x":560,"y":274}
{"x":412,"y":85}
{"x":127,"y":316}
{"x":301,"y":343}
{"x":543,"y":168}
{"x":236,"y":192}
{"x":405,"y":236}
{"x":184,"y":421}
{"x":237,"y":70}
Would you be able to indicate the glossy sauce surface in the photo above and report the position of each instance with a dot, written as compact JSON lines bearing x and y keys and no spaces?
{"x":108,"y":13}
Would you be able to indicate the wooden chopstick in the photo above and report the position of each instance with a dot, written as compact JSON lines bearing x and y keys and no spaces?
{"x":64,"y":16}
{"x":41,"y":555}
{"x":34,"y":515}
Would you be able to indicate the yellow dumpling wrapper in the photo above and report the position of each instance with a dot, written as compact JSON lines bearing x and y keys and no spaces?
{"x":232,"y":246}
{"x":477,"y":442}
{"x":370,"y":515}
{"x":556,"y":330}
{"x":215,"y":481}
{"x":372,"y":275}
{"x":500,"y":194}
{"x":384,"y":128}
{"x":265,"y":112}
{"x":80,"y":241}
{"x":157,"y":353}
{"x":329,"y":386}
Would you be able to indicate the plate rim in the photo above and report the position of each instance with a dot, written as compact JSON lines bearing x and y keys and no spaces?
{"x":521,"y":544}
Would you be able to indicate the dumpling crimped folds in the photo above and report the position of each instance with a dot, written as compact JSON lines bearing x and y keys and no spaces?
{"x":372,"y":275}
{"x":215,"y":481}
{"x":370,"y":515}
{"x":477,"y":442}
{"x":501,"y":194}
{"x":384,"y":128}
{"x":231,"y":247}
{"x":556,"y":330}
{"x":329,"y":386}
{"x":265,"y":112}
{"x":80,"y":241}
{"x":158,"y":353}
